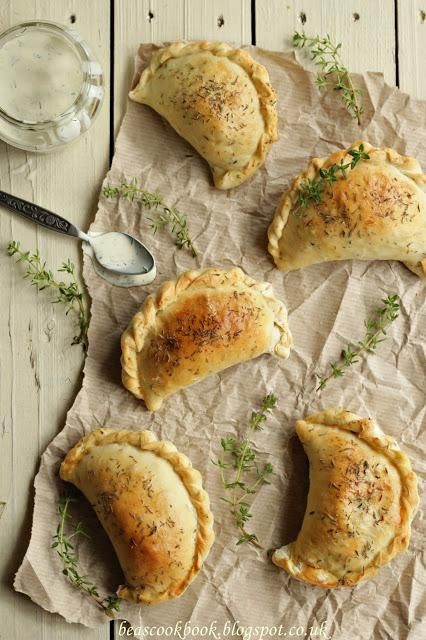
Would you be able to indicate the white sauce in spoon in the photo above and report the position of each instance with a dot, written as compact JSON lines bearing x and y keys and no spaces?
{"x":118,"y":252}
{"x":40,"y":76}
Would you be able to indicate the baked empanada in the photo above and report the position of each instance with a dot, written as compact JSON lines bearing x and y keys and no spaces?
{"x":199,"y":324}
{"x":376,"y":212}
{"x":217,"y":98}
{"x":362,"y":498}
{"x":151,"y":503}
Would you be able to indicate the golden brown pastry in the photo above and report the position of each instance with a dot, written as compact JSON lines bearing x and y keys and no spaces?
{"x":362,"y":498}
{"x":199,"y":324}
{"x":151,"y":503}
{"x":217,"y":98}
{"x":378,"y":212}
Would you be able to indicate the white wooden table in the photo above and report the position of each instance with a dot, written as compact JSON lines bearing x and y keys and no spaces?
{"x":40,"y":372}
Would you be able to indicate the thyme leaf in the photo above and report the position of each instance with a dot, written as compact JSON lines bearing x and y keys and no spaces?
{"x":326,"y":55}
{"x":240,"y":473}
{"x":66,"y":551}
{"x":68,"y":294}
{"x":165,"y":216}
{"x":375,"y":332}
{"x":312,"y":190}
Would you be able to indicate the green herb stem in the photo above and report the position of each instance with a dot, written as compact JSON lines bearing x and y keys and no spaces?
{"x":326,"y":55}
{"x":68,"y":294}
{"x":66,"y":551}
{"x":313,"y":190}
{"x":375,"y":330}
{"x":166,"y":216}
{"x":241,"y":458}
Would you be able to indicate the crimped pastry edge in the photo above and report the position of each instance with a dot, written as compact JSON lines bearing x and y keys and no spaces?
{"x":258,"y":75}
{"x":368,"y":431}
{"x":192,"y":480}
{"x":409,"y":166}
{"x":132,"y":338}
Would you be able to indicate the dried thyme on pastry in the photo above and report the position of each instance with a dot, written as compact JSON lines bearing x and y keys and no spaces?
{"x":362,"y":498}
{"x":197,"y":325}
{"x":217,"y":98}
{"x":376,"y":212}
{"x":151,"y":503}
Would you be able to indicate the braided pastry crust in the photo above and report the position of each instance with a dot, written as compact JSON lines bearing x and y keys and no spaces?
{"x":152,"y":505}
{"x":217,"y":98}
{"x":362,"y":499}
{"x":378,"y":212}
{"x":197,"y":325}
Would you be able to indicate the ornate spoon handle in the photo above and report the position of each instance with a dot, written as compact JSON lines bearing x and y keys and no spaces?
{"x":39,"y":215}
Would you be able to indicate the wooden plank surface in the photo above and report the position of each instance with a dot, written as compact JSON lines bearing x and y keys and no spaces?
{"x":40,"y":372}
{"x":366,"y":29}
{"x":411,"y":21}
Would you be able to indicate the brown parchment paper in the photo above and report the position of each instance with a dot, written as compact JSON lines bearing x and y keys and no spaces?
{"x":327,"y":307}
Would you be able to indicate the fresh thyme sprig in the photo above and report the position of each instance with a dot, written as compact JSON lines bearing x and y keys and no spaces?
{"x":326,"y":55}
{"x":375,"y":330}
{"x":240,"y":457}
{"x":166,"y":216}
{"x":66,"y":551}
{"x":312,"y":190}
{"x":68,"y":294}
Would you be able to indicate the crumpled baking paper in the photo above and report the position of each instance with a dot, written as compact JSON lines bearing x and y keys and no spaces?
{"x":327,"y":305}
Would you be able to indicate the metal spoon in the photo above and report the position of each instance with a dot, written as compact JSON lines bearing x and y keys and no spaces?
{"x":118,"y":257}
